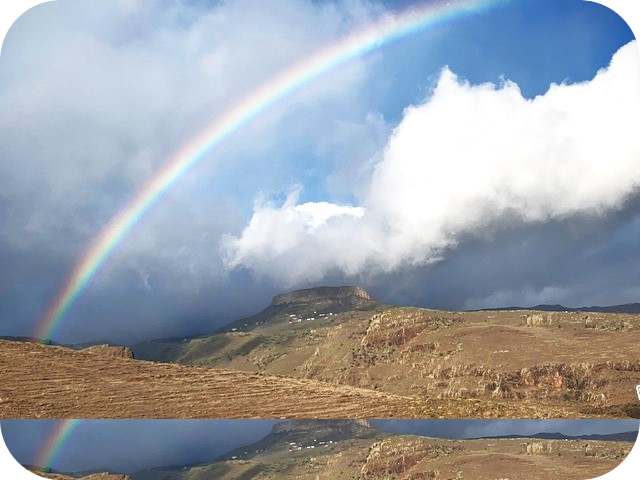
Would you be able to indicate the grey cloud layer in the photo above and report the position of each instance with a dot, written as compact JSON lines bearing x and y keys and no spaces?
{"x":95,"y":98}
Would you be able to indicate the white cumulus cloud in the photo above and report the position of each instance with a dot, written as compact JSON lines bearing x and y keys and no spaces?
{"x":468,"y":159}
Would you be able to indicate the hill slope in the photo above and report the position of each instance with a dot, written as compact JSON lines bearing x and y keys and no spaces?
{"x":587,"y":362}
{"x":54,"y":382}
{"x":347,"y":449}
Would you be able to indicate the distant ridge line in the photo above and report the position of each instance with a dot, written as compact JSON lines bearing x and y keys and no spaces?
{"x":624,"y":308}
{"x":629,"y":436}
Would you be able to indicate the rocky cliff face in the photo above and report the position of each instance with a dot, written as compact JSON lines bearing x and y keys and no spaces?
{"x":321,"y":294}
{"x":342,"y":426}
{"x":397,"y":326}
{"x":396,"y":458}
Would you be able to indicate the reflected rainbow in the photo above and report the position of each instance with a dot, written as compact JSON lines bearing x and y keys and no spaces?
{"x":387,"y":29}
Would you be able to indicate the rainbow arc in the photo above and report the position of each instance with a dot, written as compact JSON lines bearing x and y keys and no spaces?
{"x":387,"y":29}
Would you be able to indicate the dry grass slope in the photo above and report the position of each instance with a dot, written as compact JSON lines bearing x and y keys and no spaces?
{"x":41,"y":381}
{"x":586,"y":364}
{"x":54,"y":382}
{"x":322,"y":451}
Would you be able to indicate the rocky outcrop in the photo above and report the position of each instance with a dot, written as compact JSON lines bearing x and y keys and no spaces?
{"x":585,"y":382}
{"x":395,"y":458}
{"x":608,"y":323}
{"x":396,"y":326}
{"x":109,"y":351}
{"x":601,"y":451}
{"x":591,"y":449}
{"x":539,"y":448}
{"x":539,"y":320}
{"x":321,"y":293}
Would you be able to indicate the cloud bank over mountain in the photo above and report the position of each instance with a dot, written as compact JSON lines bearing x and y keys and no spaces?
{"x":434,"y":186}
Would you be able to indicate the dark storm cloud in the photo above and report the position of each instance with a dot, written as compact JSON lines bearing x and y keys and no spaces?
{"x":94,"y":99}
{"x":582,"y":261}
{"x":576,"y":262}
{"x":460,"y":429}
{"x":579,"y":262}
{"x":130,"y":445}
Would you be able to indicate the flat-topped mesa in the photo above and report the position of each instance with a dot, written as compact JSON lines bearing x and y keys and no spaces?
{"x":321,"y":293}
{"x":309,"y":433}
{"x":310,"y":303}
{"x":319,"y":425}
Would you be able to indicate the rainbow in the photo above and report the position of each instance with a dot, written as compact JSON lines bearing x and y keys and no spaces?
{"x":55,"y":442}
{"x":387,"y":29}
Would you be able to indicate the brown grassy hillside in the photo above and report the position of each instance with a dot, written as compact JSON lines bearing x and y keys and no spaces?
{"x":53,"y":382}
{"x":322,"y":451}
{"x":585,"y":362}
{"x":41,"y":381}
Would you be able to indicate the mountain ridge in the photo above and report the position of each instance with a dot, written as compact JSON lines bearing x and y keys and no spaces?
{"x":623,"y":308}
{"x":354,"y":450}
{"x":341,"y":335}
{"x":629,"y":436}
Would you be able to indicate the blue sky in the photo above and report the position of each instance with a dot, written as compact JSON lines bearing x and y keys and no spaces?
{"x":94,"y":99}
{"x":532,"y":42}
